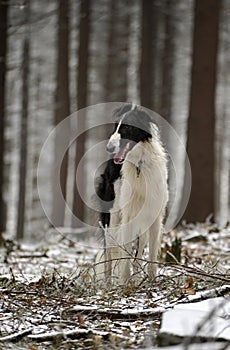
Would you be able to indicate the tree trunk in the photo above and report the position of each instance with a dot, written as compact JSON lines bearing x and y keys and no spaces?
{"x":168,"y":61}
{"x":82,"y":96}
{"x":148,"y":51}
{"x":118,"y":52}
{"x":62,"y":110}
{"x":3,"y":52}
{"x":24,"y":127}
{"x":201,"y":123}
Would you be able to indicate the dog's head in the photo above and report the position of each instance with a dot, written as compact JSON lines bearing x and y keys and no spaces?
{"x":132,"y":125}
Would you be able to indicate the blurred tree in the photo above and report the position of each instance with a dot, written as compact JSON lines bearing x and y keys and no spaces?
{"x":61,"y":111}
{"x":82,"y":97}
{"x":168,"y":60}
{"x":223,"y":120}
{"x":201,"y":123}
{"x":148,"y":52}
{"x":3,"y":53}
{"x":24,"y":125}
{"x":116,"y":79}
{"x":117,"y":57}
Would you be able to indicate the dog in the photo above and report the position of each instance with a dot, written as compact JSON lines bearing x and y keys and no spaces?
{"x":133,"y":195}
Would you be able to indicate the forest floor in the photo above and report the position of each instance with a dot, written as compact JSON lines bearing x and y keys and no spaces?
{"x":50,"y":299}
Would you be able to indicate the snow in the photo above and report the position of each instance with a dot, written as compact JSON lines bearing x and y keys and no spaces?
{"x":45,"y":286}
{"x":208,"y":318}
{"x":145,"y":311}
{"x":48,"y":292}
{"x":203,"y":346}
{"x":84,"y":308}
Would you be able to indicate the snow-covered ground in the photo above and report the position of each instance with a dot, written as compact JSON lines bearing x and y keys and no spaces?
{"x":49,"y":295}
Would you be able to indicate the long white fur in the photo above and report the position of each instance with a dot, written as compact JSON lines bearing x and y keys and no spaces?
{"x":138,"y":210}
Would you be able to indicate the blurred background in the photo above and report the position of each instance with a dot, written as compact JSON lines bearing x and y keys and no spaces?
{"x":58,"y":56}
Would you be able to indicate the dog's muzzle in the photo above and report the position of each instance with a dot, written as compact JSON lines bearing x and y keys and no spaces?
{"x":114,"y":143}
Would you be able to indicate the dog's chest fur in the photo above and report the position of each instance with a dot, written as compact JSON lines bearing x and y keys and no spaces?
{"x":141,"y":181}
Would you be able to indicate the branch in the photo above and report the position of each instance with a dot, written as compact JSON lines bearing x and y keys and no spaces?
{"x":16,"y":336}
{"x":178,"y":267}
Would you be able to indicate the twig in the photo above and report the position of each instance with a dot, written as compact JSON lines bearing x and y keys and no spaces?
{"x":193,"y":270}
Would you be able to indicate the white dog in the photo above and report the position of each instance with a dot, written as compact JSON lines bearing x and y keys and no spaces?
{"x":133,"y":195}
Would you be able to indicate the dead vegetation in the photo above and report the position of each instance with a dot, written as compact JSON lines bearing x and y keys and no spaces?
{"x":50,"y":300}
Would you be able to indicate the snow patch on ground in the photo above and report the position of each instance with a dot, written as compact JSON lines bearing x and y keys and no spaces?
{"x":208,"y":318}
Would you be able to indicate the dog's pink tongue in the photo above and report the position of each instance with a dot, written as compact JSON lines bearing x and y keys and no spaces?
{"x":120,"y":156}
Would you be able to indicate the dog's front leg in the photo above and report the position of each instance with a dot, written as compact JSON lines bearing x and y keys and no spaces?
{"x":125,"y":263}
{"x":137,"y":264}
{"x":108,"y":264}
{"x":154,"y":246}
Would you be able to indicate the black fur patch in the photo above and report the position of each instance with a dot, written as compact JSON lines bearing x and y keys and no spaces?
{"x":105,"y":190}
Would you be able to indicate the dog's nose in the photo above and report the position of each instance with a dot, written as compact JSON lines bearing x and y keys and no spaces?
{"x":110,"y":148}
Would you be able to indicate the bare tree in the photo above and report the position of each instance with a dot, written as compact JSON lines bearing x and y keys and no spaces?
{"x":3,"y":52}
{"x":62,"y":110}
{"x":148,"y":52}
{"x":24,"y":127}
{"x":82,"y":97}
{"x":223,"y":121}
{"x":168,"y":58}
{"x":118,"y":52}
{"x":201,"y":123}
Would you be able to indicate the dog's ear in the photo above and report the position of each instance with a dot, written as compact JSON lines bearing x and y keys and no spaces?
{"x":143,"y":116}
{"x":126,"y":107}
{"x":147,"y":119}
{"x":141,"y":119}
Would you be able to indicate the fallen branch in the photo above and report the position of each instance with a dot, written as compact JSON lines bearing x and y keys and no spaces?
{"x":73,"y":334}
{"x":16,"y":336}
{"x":115,"y":313}
{"x":211,"y":293}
